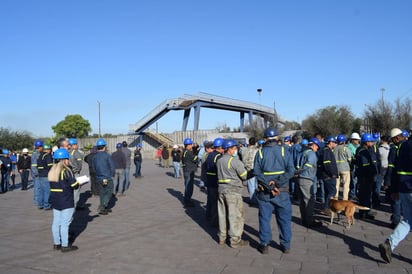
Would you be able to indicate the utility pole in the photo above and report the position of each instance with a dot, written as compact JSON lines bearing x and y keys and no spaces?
{"x":275,"y":120}
{"x":382,"y":90}
{"x":100,"y":132}
{"x":259,"y":91}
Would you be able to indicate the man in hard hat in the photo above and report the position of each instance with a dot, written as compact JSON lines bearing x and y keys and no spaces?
{"x":352,"y":146}
{"x":23,"y":167}
{"x":397,"y":139}
{"x":401,"y":189}
{"x":273,"y":168}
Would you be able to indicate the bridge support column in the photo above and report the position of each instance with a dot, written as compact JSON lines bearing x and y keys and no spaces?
{"x":186,"y":116}
{"x":242,"y":121}
{"x":197,"y":117}
{"x":251,"y":118}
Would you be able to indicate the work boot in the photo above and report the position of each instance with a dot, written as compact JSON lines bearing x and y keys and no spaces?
{"x":69,"y":248}
{"x":240,"y":244}
{"x":386,"y":251}
{"x":264,"y":249}
{"x":57,"y":247}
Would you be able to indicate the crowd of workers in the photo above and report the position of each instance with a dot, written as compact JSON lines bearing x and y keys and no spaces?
{"x":279,"y":171}
{"x":276,"y":171}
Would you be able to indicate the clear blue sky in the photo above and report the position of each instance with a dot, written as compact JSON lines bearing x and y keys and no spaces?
{"x":61,"y":57}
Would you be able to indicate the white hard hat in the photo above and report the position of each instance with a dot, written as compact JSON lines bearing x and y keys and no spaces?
{"x":175,"y":146}
{"x":355,"y":136}
{"x":395,"y":132}
{"x":25,"y":150}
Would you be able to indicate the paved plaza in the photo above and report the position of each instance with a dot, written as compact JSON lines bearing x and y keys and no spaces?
{"x":149,"y":231}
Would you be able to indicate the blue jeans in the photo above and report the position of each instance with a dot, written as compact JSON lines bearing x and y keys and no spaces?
{"x":126,"y":178}
{"x":36,"y":190}
{"x":330,"y":190}
{"x":404,"y":227}
{"x":60,"y":226}
{"x":353,"y":193}
{"x":395,"y":206}
{"x":5,"y":178}
{"x":138,"y":171}
{"x":189,"y":177}
{"x":44,"y":192}
{"x":321,"y":195}
{"x":118,"y":181}
{"x":176,"y":168}
{"x":251,"y":187}
{"x":376,"y":200}
{"x":282,"y":207}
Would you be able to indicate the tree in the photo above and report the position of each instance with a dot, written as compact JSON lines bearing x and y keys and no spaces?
{"x":383,"y":116}
{"x":73,"y":126}
{"x":330,"y":120}
{"x":255,"y":129}
{"x":15,"y":139}
{"x":291,"y":125}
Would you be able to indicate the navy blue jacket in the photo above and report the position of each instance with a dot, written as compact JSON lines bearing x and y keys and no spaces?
{"x":103,"y":165}
{"x":211,"y":169}
{"x":44,"y":163}
{"x":365,"y":163}
{"x":402,"y":181}
{"x":327,"y":164}
{"x":61,"y":192}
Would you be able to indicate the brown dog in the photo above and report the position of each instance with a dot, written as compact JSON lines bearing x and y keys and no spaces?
{"x":338,"y":206}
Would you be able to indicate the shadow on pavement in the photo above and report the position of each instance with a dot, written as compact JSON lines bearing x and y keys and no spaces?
{"x":197,"y":213}
{"x":81,"y":217}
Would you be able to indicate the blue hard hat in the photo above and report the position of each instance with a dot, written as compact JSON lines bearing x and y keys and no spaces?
{"x":270,"y":132}
{"x":314,"y":141}
{"x":229,"y":143}
{"x":218,"y":142}
{"x":139,"y":145}
{"x":330,"y":139}
{"x":287,"y":138}
{"x":38,"y":143}
{"x":100,"y":142}
{"x":261,"y":142}
{"x":72,"y":141}
{"x":341,"y":138}
{"x":61,"y":153}
{"x":119,"y":145}
{"x":367,"y":137}
{"x":304,"y":142}
{"x":187,"y":141}
{"x":5,"y":151}
{"x":405,"y":133}
{"x":375,"y":136}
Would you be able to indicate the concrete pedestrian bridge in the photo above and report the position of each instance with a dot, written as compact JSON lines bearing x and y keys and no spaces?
{"x":204,"y":100}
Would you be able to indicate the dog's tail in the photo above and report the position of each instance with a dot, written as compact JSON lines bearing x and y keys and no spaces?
{"x":362,"y":207}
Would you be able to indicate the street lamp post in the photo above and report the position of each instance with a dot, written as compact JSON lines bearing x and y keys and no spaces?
{"x":100,"y":133}
{"x":259,"y":91}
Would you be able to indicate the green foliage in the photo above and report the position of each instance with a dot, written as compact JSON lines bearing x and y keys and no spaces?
{"x":383,"y":116}
{"x":15,"y":140}
{"x":291,"y":125}
{"x":331,"y":120}
{"x":73,"y":126}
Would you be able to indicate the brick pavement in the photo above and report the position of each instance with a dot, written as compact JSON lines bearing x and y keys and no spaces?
{"x":150,"y":232}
